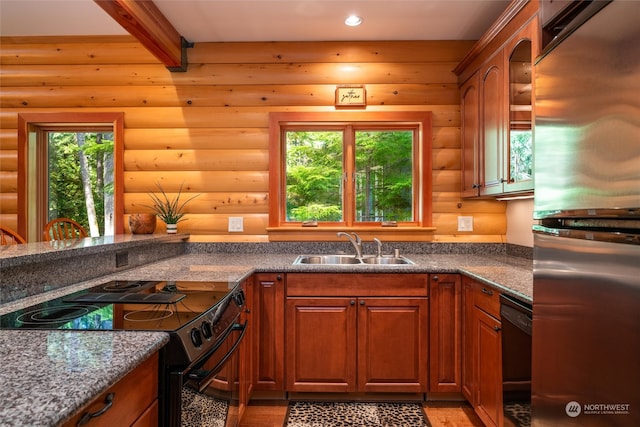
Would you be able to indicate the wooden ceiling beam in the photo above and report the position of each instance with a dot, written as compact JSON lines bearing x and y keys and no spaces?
{"x":143,"y":20}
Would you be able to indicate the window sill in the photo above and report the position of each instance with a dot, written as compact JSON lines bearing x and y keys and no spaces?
{"x":299,"y":233}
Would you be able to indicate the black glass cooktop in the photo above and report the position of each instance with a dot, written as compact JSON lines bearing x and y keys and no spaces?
{"x":118,"y":305}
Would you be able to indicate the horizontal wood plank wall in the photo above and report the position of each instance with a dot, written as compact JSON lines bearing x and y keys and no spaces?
{"x":207,"y":127}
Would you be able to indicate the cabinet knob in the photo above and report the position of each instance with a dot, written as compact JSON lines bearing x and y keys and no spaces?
{"x":435,"y":278}
{"x":352,"y":302}
{"x":497,"y":328}
{"x":278,"y":277}
{"x":487,"y":291}
{"x":361,"y":302}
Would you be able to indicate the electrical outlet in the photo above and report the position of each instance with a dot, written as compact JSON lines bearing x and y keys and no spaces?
{"x":236,"y":224}
{"x":465,"y":223}
{"x":122,"y":259}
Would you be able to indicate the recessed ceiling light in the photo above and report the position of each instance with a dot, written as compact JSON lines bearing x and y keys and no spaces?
{"x":353,"y":21}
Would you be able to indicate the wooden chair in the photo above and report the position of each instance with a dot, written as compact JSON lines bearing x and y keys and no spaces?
{"x":63,"y":229}
{"x":9,"y":237}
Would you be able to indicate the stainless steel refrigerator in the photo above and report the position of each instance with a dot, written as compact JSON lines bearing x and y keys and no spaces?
{"x":586,"y":295}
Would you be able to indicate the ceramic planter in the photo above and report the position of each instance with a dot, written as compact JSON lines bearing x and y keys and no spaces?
{"x":142,"y":223}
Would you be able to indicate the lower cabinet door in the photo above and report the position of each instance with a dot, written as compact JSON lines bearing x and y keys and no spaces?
{"x":489,"y":368}
{"x":392,"y":344}
{"x":321,"y":344}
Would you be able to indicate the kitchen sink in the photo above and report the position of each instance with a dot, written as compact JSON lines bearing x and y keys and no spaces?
{"x":351,"y":260}
{"x":387,"y":260}
{"x":327,"y":259}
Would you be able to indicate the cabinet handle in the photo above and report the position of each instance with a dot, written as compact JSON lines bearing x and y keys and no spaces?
{"x":89,"y":415}
{"x":487,"y":291}
{"x":352,"y":302}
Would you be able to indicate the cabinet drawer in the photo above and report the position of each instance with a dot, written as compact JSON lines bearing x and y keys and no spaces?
{"x":132,"y":395}
{"x":358,"y":284}
{"x":487,"y":298}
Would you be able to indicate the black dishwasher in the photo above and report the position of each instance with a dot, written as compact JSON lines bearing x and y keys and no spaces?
{"x":516,"y":361}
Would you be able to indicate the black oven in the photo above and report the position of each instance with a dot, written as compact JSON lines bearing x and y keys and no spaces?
{"x":199,"y":365}
{"x":516,"y":319}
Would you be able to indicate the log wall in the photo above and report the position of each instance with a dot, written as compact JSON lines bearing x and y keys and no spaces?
{"x":208,"y":127}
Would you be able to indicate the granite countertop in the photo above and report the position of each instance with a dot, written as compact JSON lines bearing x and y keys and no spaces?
{"x":48,"y":376}
{"x":511,"y":275}
{"x":15,"y":255}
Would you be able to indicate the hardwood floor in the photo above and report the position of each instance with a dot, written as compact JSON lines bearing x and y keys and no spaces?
{"x":440,"y":414}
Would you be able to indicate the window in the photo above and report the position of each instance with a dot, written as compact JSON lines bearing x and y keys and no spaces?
{"x":350,"y":169}
{"x":72,"y":167}
{"x":78,"y":179}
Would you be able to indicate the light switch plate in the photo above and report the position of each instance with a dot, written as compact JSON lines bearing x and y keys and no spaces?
{"x":236,"y":224}
{"x":465,"y":223}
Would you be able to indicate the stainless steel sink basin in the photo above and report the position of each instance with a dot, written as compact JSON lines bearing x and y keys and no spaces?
{"x":326,"y":259}
{"x":386,"y":260}
{"x":350,"y":259}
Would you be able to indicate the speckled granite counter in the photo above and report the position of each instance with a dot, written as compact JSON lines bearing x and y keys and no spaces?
{"x":48,"y":376}
{"x":55,"y":387}
{"x":511,"y":274}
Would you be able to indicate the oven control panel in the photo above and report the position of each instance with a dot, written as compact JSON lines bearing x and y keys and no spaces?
{"x":208,"y":331}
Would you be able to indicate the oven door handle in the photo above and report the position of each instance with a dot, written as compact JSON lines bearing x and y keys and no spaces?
{"x":203,"y":378}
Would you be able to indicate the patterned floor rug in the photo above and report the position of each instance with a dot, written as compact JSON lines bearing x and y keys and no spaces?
{"x":355,"y":414}
{"x":519,"y":413}
{"x":200,"y":410}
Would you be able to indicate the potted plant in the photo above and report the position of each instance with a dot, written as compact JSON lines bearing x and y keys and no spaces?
{"x":171,"y":211}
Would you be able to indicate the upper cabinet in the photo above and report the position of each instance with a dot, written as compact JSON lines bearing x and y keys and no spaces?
{"x":496,"y":105}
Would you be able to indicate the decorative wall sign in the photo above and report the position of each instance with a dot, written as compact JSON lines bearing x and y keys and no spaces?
{"x":351,"y":96}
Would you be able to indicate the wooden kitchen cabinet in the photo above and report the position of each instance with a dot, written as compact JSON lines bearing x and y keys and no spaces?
{"x":343,"y":335}
{"x":445,"y":337}
{"x":496,"y":102}
{"x":492,"y":125}
{"x":246,"y":351}
{"x":489,"y":368}
{"x":134,"y":400}
{"x":268,"y":318}
{"x":321,"y":344}
{"x":392,"y":344}
{"x":482,"y":351}
{"x":470,"y":131}
{"x":468,"y":348}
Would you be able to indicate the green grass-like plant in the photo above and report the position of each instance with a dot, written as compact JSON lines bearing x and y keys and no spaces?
{"x":171,"y":211}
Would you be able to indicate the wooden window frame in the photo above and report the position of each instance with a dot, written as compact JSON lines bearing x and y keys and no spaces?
{"x":44,"y":122}
{"x":278,"y":122}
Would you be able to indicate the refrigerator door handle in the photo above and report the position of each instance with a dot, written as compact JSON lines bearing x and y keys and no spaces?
{"x":622,"y":236}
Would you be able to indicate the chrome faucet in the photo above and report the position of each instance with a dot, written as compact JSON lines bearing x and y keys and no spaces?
{"x":356,"y":241}
{"x":379,"y":245}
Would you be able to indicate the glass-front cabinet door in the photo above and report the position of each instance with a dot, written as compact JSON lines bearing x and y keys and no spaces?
{"x":519,"y":131}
